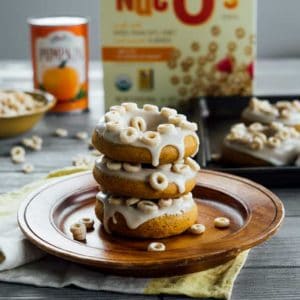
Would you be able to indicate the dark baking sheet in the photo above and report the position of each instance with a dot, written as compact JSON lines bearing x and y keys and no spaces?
{"x":215,"y":116}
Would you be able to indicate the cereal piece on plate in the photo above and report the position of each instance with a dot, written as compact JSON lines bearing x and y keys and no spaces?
{"x":156,"y":247}
{"x":197,"y":229}
{"x":78,"y":231}
{"x":88,"y":223}
{"x":221,"y":222}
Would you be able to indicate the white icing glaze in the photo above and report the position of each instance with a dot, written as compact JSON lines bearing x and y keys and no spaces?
{"x":153,"y":119}
{"x":256,"y":115}
{"x":135,"y":217}
{"x":144,"y":174}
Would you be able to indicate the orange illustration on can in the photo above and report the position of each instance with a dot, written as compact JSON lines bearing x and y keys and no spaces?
{"x":60,"y":55}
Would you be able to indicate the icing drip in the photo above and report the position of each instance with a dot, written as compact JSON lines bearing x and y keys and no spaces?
{"x":152,"y":119}
{"x":144,"y":173}
{"x":135,"y":217}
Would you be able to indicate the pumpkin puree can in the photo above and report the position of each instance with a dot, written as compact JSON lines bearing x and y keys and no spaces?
{"x":60,"y":55}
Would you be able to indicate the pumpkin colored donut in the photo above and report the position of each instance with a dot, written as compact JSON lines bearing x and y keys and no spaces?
{"x":148,"y":135}
{"x":144,"y":181}
{"x":136,"y":218}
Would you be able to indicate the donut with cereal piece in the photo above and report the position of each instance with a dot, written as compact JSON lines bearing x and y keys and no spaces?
{"x":139,"y":218}
{"x":261,"y":145}
{"x":263,"y":111}
{"x":145,"y":135}
{"x":144,"y":181}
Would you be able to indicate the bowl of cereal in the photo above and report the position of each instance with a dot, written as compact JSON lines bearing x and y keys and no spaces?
{"x":21,"y":110}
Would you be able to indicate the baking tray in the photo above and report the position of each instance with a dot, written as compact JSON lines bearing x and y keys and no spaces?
{"x":215,"y":116}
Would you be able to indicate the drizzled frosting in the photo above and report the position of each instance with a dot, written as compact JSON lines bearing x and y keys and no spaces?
{"x":144,"y":173}
{"x":276,"y":143}
{"x":146,"y":128}
{"x":263,"y":111}
{"x":135,"y":215}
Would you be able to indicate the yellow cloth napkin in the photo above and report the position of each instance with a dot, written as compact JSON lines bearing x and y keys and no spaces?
{"x":213,"y":283}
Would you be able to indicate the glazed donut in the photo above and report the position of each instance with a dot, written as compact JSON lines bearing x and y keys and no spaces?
{"x":130,"y":134}
{"x":144,"y":181}
{"x":137,"y":218}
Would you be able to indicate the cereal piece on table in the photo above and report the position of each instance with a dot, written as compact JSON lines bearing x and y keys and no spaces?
{"x":28,"y":168}
{"x":81,"y":161}
{"x":78,"y":231}
{"x":221,"y":222}
{"x":81,"y":135}
{"x":156,"y":247}
{"x":17,"y":154}
{"x":88,"y":223}
{"x":197,"y":229}
{"x":61,"y":132}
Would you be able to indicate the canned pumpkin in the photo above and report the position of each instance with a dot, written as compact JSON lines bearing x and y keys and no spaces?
{"x":60,"y":52}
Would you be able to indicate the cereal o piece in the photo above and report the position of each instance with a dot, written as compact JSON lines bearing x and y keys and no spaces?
{"x":61,"y":132}
{"x":129,"y":135}
{"x":221,"y":222}
{"x":88,"y":223}
{"x":231,"y":46}
{"x":138,"y":123}
{"x":180,"y":168}
{"x":172,"y":64}
{"x":197,"y":229}
{"x":113,"y":165}
{"x":175,"y":80}
{"x":166,"y":167}
{"x":248,"y":50}
{"x":163,"y":203}
{"x":147,"y":206}
{"x":131,"y":167}
{"x":254,"y":127}
{"x":120,"y":109}
{"x":284,"y":113}
{"x":81,"y":135}
{"x":78,"y":231}
{"x":182,"y":91}
{"x":188,"y":125}
{"x":213,"y":47}
{"x":283,"y":134}
{"x":192,"y":164}
{"x":273,"y":142}
{"x":130,"y":106}
{"x":187,"y":79}
{"x":189,"y":60}
{"x":115,"y":201}
{"x":166,"y":128}
{"x":113,"y":126}
{"x":151,"y":138}
{"x":257,"y":144}
{"x":112,"y":116}
{"x":168,"y":112}
{"x":27,"y":168}
{"x":176,"y":120}
{"x":150,"y":107}
{"x":195,"y":46}
{"x":296,"y":104}
{"x":240,"y":32}
{"x":17,"y":151}
{"x":158,"y":181}
{"x":132,"y":201}
{"x":156,"y":247}
{"x":215,"y":30}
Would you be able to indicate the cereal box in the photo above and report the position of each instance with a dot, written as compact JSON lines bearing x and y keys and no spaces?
{"x":167,"y":51}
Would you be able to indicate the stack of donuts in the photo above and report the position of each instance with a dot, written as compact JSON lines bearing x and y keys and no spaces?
{"x":146,"y":172}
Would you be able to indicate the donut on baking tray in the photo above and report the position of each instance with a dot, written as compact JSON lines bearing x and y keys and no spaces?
{"x":144,"y":181}
{"x":145,"y":135}
{"x":139,"y":218}
{"x":285,"y":112}
{"x":261,"y":145}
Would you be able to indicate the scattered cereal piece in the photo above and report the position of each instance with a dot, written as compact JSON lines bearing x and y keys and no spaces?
{"x":215,"y":30}
{"x":156,"y":247}
{"x":17,"y":154}
{"x":240,"y":32}
{"x":28,"y":168}
{"x":79,"y":231}
{"x":61,"y":132}
{"x":221,"y":222}
{"x":82,"y":135}
{"x":81,"y":160}
{"x":88,"y":223}
{"x":197,"y":229}
{"x":195,"y":46}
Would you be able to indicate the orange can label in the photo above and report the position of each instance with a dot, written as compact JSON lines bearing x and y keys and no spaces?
{"x":60,"y":60}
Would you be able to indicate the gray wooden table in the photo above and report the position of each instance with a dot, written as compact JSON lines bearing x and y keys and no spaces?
{"x":272,"y":270}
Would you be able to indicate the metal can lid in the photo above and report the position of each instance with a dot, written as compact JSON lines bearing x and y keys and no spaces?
{"x":58,"y":21}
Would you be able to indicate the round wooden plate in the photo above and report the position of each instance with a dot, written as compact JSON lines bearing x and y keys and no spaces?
{"x":255,"y":213}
